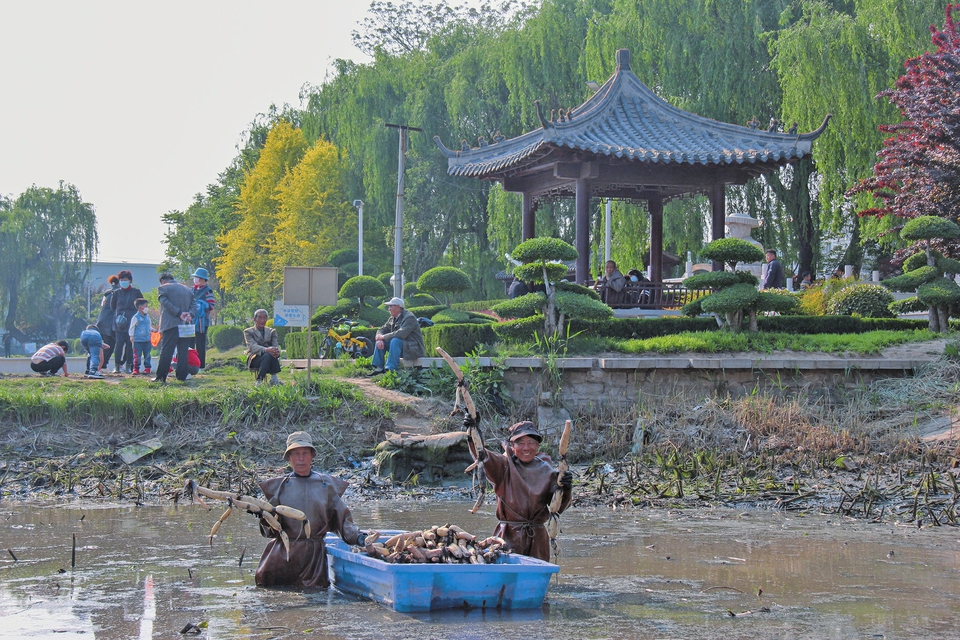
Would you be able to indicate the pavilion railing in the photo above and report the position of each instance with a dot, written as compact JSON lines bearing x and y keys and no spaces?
{"x":647,"y":295}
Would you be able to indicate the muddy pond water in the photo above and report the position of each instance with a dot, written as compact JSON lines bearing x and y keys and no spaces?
{"x":148,"y":572}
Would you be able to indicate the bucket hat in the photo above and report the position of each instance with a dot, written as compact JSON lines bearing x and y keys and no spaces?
{"x":524,"y":428}
{"x":200,"y":273}
{"x":296,"y":440}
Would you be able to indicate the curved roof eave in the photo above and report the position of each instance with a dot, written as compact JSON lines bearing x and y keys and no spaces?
{"x":627,"y":120}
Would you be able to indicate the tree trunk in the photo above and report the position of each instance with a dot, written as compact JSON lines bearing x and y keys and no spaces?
{"x":933,"y":319}
{"x":753,"y":320}
{"x":854,"y":253}
{"x":943,"y":314}
{"x":796,"y":201}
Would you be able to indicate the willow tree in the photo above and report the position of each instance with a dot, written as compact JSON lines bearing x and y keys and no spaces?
{"x":708,"y":59}
{"x":918,"y":173}
{"x":47,"y":240}
{"x":835,"y":58}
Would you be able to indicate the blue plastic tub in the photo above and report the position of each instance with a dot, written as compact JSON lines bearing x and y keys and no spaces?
{"x":515,"y":582}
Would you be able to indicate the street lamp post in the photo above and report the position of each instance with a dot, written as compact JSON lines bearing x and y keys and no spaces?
{"x":359,"y":205}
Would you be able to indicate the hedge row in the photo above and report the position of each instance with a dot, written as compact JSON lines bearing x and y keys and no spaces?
{"x":617,"y":328}
{"x":836,"y":324}
{"x":476,"y":305}
{"x":642,"y":328}
{"x":457,"y":339}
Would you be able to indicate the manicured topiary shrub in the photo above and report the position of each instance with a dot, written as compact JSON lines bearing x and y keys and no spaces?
{"x":525,"y":306}
{"x":427,"y":311}
{"x":445,"y":281}
{"x":522,"y":330}
{"x":543,"y":264}
{"x":361,"y":287}
{"x":572,"y":287}
{"x":421,"y":300}
{"x":341,"y":257}
{"x":226,"y":337}
{"x":933,"y":290}
{"x":324,"y":316}
{"x":865,"y":300}
{"x":907,"y":305}
{"x":735,"y":291}
{"x":732,"y":251}
{"x":836,"y":324}
{"x":450,"y":316}
{"x":353,"y":268}
{"x":374,"y":316}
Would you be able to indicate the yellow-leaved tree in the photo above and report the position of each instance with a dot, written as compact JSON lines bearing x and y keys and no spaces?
{"x":247,"y":262}
{"x":315,"y":218}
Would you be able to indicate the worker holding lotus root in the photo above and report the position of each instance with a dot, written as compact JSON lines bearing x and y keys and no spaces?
{"x":296,"y":554}
{"x":525,"y":482}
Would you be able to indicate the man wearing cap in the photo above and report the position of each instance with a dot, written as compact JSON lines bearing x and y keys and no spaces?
{"x":524,"y":481}
{"x":399,"y":337}
{"x":318,"y":496}
{"x":203,"y":294}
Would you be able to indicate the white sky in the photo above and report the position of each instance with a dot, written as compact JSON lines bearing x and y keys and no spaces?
{"x":142,"y":105}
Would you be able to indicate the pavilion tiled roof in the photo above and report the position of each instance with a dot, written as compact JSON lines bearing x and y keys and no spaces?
{"x":624,"y":119}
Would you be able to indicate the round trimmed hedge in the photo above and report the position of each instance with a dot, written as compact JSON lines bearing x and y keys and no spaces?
{"x":226,"y":337}
{"x":864,"y":300}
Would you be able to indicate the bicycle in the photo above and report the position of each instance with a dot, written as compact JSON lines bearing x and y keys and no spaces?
{"x":336,"y":344}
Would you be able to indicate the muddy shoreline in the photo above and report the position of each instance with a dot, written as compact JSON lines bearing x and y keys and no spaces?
{"x":888,"y":453}
{"x":906,"y":492}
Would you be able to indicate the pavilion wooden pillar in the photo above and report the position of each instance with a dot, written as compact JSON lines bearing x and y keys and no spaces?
{"x":583,"y":230}
{"x":718,"y":205}
{"x":529,"y":222}
{"x":655,"y":205}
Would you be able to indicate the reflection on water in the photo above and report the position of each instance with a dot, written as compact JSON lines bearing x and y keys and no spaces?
{"x":149,"y":572}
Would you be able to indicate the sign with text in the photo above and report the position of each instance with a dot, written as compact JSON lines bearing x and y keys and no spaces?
{"x":298,"y":282}
{"x":290,"y":315}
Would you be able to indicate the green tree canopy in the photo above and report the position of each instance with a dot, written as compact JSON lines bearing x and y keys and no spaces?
{"x":47,"y":240}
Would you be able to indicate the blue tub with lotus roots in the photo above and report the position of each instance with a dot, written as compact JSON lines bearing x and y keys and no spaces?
{"x":513,"y":582}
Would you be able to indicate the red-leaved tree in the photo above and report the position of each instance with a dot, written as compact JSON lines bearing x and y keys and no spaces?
{"x":919,"y":169}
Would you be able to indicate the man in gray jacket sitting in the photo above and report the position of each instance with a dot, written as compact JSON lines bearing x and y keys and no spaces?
{"x":399,"y":337}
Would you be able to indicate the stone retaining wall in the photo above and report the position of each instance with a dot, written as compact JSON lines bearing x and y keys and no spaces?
{"x":586,"y":381}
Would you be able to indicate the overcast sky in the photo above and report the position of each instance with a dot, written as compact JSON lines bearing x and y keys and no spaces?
{"x":142,"y":105}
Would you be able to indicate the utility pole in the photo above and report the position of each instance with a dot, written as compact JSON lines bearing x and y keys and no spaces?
{"x":359,"y":205}
{"x":398,"y":225}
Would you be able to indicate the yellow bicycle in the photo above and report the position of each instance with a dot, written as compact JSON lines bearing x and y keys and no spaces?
{"x":335,"y":344}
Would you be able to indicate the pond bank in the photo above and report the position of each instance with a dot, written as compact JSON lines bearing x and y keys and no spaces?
{"x":882,"y":451}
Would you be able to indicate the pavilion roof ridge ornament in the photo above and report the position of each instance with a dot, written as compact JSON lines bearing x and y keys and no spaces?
{"x":626,"y":120}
